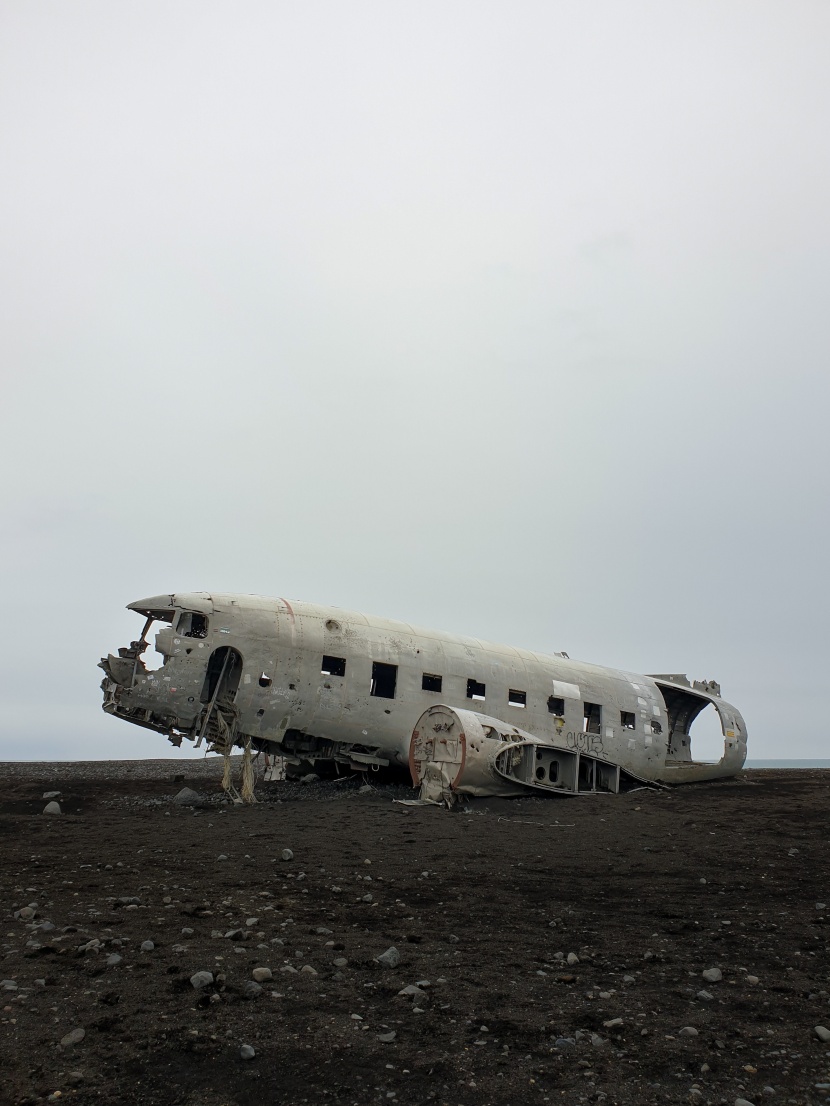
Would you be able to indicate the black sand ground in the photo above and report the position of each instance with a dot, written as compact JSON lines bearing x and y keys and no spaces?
{"x":648,"y":890}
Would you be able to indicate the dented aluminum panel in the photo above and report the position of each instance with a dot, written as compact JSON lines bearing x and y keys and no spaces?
{"x":316,"y":685}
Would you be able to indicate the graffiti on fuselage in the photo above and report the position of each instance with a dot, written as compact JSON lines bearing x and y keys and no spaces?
{"x":584,"y":742}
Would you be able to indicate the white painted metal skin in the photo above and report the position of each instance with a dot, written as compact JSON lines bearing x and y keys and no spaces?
{"x":273,"y":688}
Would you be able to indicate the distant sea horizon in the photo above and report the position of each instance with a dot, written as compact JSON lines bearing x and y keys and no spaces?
{"x":787,"y":764}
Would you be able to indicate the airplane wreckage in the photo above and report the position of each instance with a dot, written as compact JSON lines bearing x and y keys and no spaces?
{"x":322,"y":688}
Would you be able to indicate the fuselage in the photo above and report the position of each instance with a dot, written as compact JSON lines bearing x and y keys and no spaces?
{"x":315,"y":683}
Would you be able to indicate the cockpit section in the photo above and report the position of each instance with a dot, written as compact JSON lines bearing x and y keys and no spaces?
{"x":170,"y":697}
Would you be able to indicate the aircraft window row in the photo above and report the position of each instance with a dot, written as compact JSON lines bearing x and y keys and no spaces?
{"x":385,"y":679}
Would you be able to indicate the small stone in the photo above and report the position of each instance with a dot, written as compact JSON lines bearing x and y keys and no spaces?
{"x":366,"y":789}
{"x":73,"y":1078}
{"x":768,"y":1090}
{"x":287,"y":854}
{"x":614,"y":1023}
{"x":712,"y":975}
{"x":147,"y":946}
{"x":52,"y":808}
{"x":389,"y":959}
{"x":702,"y":880}
{"x":187,"y":797}
{"x":250,"y":989}
{"x":114,"y":959}
{"x":753,"y":979}
{"x":387,"y":1038}
{"x":308,"y":970}
{"x":705,"y":996}
{"x":822,"y":1033}
{"x":187,"y":932}
{"x":199,"y":980}
{"x":340,"y":962}
{"x":262,"y":975}
{"x":629,"y":979}
{"x":289,"y":968}
{"x":247,"y":1052}
{"x":412,"y":991}
{"x":564,"y":1042}
{"x":73,"y":1038}
{"x":51,"y":795}
{"x":572,"y":959}
{"x":222,"y":856}
{"x":688,"y":1031}
{"x":819,"y":905}
{"x":742,"y":1102}
{"x":251,"y":921}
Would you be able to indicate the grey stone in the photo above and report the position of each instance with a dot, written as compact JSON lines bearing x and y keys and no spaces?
{"x":290,"y":969}
{"x":822,"y":1033}
{"x":340,"y":962}
{"x":201,"y":979}
{"x":222,"y":856}
{"x":387,"y":1038}
{"x":366,"y":789}
{"x":114,"y":959}
{"x":187,"y":797}
{"x":572,"y":958}
{"x":564,"y":1042}
{"x":52,"y":808}
{"x":705,"y":996}
{"x":819,"y":905}
{"x":411,"y":991}
{"x":247,"y":1052}
{"x":389,"y":959}
{"x":262,"y":975}
{"x":322,"y":929}
{"x":768,"y":1090}
{"x":251,"y":989}
{"x":614,"y":1023}
{"x":753,"y":979}
{"x":147,"y":946}
{"x":287,"y":854}
{"x":742,"y":1102}
{"x":51,"y":795}
{"x":311,"y":777}
{"x":712,"y":975}
{"x":73,"y":1078}
{"x":74,"y":1037}
{"x":26,"y":914}
{"x":688,"y":1031}
{"x":307,"y":969}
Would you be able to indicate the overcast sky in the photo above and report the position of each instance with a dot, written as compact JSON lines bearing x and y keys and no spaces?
{"x":509,"y":319}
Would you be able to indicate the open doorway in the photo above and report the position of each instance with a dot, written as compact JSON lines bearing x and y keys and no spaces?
{"x":222,"y":677}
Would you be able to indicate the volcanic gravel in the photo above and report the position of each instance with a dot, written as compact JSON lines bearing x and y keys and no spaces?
{"x":547,"y":951}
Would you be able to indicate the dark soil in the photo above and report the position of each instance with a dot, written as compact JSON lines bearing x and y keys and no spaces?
{"x":656,"y":886}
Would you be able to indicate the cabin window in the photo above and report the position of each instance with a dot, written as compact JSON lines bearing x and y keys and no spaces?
{"x":264,"y":680}
{"x":592,"y":718}
{"x":517,"y":698}
{"x":656,"y":727}
{"x":384,"y":680}
{"x":333,"y":666}
{"x":192,"y":624}
{"x":431,"y":683}
{"x":627,"y":719}
{"x":475,"y":690}
{"x":556,"y":706}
